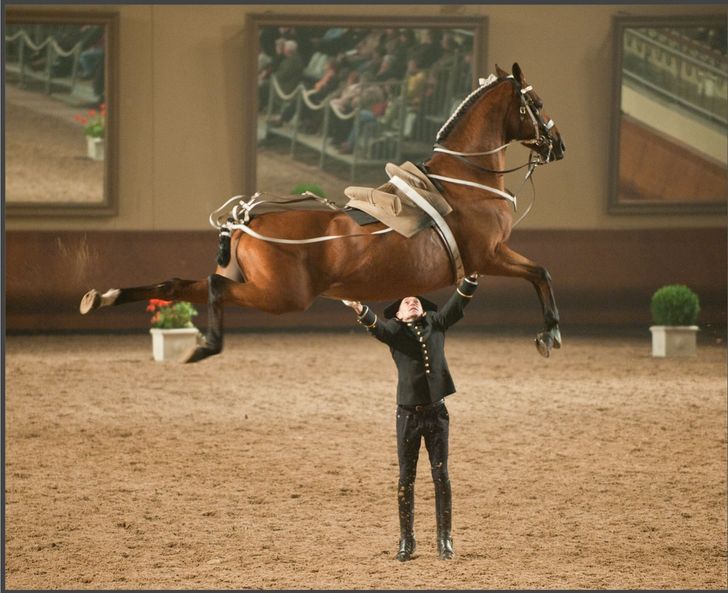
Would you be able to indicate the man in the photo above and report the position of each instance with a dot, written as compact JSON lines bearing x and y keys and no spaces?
{"x":415,"y":332}
{"x":290,"y":71}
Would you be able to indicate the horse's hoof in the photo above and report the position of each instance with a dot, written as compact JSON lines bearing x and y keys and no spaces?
{"x":556,"y":333}
{"x":197,"y":354}
{"x":90,"y":301}
{"x":542,"y":347}
{"x":194,"y":354}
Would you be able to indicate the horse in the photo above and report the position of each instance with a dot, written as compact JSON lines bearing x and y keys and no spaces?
{"x":468,"y":160}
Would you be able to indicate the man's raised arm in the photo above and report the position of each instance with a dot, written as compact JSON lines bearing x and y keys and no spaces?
{"x":382,"y":329}
{"x":452,"y":311}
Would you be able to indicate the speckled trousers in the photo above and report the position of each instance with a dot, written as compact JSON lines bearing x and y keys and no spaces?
{"x":432,"y":424}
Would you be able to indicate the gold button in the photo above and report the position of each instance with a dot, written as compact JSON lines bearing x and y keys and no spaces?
{"x":428,"y":372}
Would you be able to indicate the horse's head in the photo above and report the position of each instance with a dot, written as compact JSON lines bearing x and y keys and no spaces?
{"x":527,"y":122}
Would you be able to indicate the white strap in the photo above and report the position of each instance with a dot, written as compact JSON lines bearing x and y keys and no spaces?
{"x":225,"y":228}
{"x":252,"y":233}
{"x":456,"y":153}
{"x":437,"y":217}
{"x":497,"y":192}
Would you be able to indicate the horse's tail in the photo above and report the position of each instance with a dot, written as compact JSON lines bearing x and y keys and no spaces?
{"x":223,"y":245}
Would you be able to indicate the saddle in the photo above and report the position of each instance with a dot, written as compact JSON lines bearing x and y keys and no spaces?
{"x":390,"y":205}
{"x":409,"y":203}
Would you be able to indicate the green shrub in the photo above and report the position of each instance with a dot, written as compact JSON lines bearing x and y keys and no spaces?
{"x":675,"y":304}
{"x":312,"y":187}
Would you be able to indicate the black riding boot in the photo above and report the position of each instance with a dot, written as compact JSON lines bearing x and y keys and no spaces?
{"x":443,"y":515}
{"x":406,"y":502}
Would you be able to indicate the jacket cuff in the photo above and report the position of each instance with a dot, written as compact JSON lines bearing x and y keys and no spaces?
{"x":367,"y":318}
{"x":467,"y":287}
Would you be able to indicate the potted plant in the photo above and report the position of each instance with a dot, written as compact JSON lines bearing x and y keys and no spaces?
{"x":94,"y":127}
{"x":173,"y":333}
{"x":674,"y":311}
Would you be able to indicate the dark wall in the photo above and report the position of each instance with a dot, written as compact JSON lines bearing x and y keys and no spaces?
{"x":601,"y":278}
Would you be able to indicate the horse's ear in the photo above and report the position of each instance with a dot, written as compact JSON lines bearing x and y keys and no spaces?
{"x":500,"y":72}
{"x":518,"y":73}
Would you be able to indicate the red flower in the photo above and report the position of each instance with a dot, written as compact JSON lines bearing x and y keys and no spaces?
{"x":91,"y":112}
{"x":154,"y":303}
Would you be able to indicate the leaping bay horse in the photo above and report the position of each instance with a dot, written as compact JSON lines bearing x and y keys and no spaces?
{"x":469,"y":161}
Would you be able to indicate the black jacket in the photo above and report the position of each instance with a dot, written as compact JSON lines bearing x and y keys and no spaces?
{"x":418,"y":347}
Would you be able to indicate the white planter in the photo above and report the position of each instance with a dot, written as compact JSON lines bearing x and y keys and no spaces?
{"x":95,"y":148}
{"x":674,"y":340}
{"x":171,"y":344}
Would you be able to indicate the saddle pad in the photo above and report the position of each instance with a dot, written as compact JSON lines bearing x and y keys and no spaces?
{"x":360,"y":217}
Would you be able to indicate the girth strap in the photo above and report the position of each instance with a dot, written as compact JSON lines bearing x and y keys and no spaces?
{"x":440,"y":224}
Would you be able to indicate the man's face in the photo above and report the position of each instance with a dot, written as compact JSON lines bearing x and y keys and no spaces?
{"x":410,"y":308}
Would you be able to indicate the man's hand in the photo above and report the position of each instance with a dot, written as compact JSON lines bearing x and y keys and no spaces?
{"x":356,"y":305}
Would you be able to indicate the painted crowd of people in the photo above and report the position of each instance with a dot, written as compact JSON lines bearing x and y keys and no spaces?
{"x":356,"y":68}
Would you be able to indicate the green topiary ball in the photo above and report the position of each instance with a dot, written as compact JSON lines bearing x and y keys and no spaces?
{"x":312,"y":187}
{"x":675,"y":304}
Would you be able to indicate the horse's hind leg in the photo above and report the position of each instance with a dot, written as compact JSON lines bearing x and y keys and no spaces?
{"x":510,"y":263}
{"x":283,"y":299}
{"x":175,"y":289}
{"x":196,"y":291}
{"x":213,"y":337}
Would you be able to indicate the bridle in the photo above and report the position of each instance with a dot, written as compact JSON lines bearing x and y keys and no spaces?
{"x":542,"y":128}
{"x":542,"y":138}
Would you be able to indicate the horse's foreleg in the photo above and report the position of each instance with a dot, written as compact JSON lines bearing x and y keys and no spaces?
{"x":175,"y":289}
{"x":510,"y":263}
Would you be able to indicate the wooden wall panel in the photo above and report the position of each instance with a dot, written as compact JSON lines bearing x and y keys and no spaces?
{"x":601,"y":278}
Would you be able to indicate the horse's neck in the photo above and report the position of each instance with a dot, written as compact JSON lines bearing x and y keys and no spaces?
{"x":483,"y":128}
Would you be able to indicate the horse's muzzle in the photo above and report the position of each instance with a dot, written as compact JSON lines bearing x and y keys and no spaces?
{"x":558,"y":149}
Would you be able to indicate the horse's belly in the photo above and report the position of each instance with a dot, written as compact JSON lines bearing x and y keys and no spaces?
{"x":392,"y":266}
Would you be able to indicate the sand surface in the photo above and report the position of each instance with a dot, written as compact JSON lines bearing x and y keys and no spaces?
{"x":273,"y":465}
{"x":45,"y":151}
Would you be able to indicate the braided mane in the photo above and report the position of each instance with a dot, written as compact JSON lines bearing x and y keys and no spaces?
{"x":448,"y":126}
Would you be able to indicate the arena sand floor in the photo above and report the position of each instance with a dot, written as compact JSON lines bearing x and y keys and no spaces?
{"x":274,"y":465}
